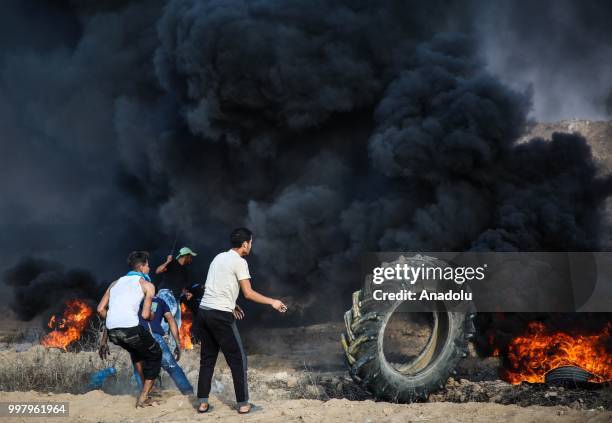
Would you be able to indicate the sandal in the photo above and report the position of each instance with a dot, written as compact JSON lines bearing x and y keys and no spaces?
{"x":206,"y":410}
{"x":252,"y":409}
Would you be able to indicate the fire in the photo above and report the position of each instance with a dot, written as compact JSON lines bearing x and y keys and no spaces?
{"x":185,"y":330}
{"x":531,"y":356}
{"x":68,"y":328}
{"x":495,"y":352}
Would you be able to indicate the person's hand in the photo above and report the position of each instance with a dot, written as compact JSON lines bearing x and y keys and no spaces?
{"x":279,"y":306}
{"x":177,"y":353}
{"x":188,"y":296}
{"x":238,"y":313}
{"x":103,"y":351}
{"x":169,"y":259}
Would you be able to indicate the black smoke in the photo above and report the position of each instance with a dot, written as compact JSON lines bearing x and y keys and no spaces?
{"x":40,"y":285}
{"x":329,"y":128}
{"x":560,"y":48}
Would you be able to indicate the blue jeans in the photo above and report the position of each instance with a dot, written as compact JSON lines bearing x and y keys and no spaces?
{"x":175,"y":309}
{"x":170,"y":365}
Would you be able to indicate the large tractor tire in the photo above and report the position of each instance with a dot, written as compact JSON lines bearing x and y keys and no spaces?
{"x":363,"y":344}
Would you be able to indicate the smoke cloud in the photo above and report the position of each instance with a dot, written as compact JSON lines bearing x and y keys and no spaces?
{"x":328,"y":128}
{"x":560,"y":49}
{"x":40,"y":285}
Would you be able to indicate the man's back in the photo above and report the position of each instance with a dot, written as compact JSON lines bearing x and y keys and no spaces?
{"x":124,"y":302}
{"x":222,"y":282}
{"x":160,"y":308}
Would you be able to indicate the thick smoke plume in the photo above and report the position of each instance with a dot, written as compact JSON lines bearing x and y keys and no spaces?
{"x":329,"y":128}
{"x":561,"y":48}
{"x":40,"y":285}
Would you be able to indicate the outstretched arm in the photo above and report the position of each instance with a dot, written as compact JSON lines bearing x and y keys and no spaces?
{"x":252,"y":295}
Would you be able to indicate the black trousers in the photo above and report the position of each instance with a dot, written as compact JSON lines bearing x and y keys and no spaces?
{"x":141,"y":346}
{"x":217,"y":330}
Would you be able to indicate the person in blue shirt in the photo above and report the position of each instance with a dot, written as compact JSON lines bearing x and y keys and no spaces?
{"x":169,"y":359}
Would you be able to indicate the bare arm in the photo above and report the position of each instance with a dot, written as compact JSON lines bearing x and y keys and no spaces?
{"x":252,"y":295}
{"x":103,"y":350}
{"x":103,"y":305}
{"x":173,"y":327}
{"x":164,"y":266}
{"x":149,"y":291}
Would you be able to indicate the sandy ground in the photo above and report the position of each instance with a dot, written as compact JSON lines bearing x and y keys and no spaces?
{"x":298,"y":375}
{"x":96,"y":406}
{"x":293,"y":375}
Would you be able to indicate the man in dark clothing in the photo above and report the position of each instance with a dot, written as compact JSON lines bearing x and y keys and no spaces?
{"x":176,"y":276}
{"x":176,"y":273}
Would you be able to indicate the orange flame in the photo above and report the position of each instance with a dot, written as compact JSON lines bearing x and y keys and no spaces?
{"x":69,"y":328}
{"x":495,"y":352}
{"x":531,"y":356}
{"x":185,"y":331}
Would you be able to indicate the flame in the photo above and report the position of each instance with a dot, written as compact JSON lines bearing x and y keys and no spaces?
{"x":531,"y":356}
{"x":185,"y":330}
{"x":68,"y":328}
{"x":495,"y":352}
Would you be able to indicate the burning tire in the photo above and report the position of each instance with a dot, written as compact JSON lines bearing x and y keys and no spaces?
{"x":364,"y":349}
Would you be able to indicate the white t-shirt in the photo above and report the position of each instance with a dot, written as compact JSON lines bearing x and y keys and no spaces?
{"x":222,"y":287}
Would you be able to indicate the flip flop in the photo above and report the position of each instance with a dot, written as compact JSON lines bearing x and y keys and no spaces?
{"x":205,"y":411}
{"x":254,"y":408}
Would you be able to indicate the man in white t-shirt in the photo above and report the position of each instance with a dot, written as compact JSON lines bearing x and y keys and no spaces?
{"x":228,"y":274}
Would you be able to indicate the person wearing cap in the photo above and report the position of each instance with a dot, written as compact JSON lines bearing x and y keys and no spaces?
{"x":176,"y":276}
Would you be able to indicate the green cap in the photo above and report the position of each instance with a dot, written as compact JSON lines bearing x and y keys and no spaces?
{"x":184,"y":251}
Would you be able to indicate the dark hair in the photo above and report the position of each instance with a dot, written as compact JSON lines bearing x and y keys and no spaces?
{"x":136,"y":258}
{"x":239,"y":236}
